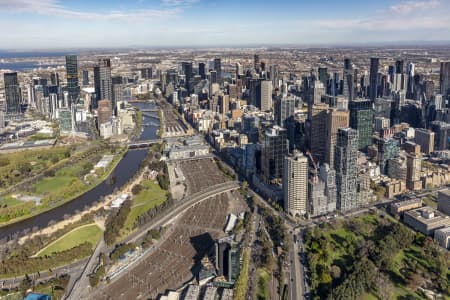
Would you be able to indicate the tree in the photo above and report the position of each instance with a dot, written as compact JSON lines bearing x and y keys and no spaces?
{"x":335,"y":272}
{"x":136,"y":189}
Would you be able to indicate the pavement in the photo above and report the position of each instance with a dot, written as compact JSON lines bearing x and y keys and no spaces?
{"x":81,"y":286}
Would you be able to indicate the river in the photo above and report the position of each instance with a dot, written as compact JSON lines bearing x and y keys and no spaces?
{"x":125,"y":170}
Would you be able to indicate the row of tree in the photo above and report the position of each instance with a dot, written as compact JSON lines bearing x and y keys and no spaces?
{"x":115,"y":222}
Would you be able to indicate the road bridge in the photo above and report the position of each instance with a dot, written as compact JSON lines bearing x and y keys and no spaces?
{"x":144,"y":143}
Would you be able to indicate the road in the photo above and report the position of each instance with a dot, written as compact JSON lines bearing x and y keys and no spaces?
{"x":81,"y":284}
{"x":296,"y":284}
{"x":45,"y":275}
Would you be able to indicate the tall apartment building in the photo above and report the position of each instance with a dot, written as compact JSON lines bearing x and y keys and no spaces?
{"x":442,"y":134}
{"x":284,"y":110}
{"x":413,"y":169}
{"x":266,"y":95}
{"x":335,"y":119}
{"x":103,"y":81}
{"x":424,"y":138}
{"x":317,"y":130}
{"x":274,"y":148}
{"x":322,"y":191}
{"x":361,"y":119}
{"x":295,"y":184}
{"x":345,"y":165}
{"x":445,"y":78}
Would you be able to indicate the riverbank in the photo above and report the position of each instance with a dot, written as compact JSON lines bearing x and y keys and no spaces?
{"x":118,"y":157}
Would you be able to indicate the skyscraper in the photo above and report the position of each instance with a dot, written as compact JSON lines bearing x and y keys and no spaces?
{"x":73,"y":87}
{"x":239,"y":70}
{"x":345,"y":164}
{"x":202,"y":70}
{"x":266,"y":95}
{"x":218,"y":69}
{"x":442,"y":135}
{"x":323,"y":75}
{"x":285,"y":117}
{"x":285,"y":110}
{"x":411,"y":71}
{"x":361,"y":119}
{"x":335,"y":119}
{"x":295,"y":184}
{"x":255,"y":92}
{"x":373,"y":84}
{"x":399,"y":66}
{"x":103,"y":81}
{"x":322,"y":191}
{"x":317,"y":130}
{"x":85,"y":77}
{"x":256,"y":63}
{"x":12,"y":93}
{"x":317,"y":91}
{"x":104,"y":111}
{"x":445,"y":78}
{"x":348,"y":89}
{"x":273,"y":150}
{"x":187,"y":71}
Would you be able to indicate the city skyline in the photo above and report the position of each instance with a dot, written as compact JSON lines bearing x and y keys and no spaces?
{"x":199,"y":23}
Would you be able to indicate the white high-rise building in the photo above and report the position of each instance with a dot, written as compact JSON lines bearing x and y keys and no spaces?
{"x":266,"y":95}
{"x":295,"y":184}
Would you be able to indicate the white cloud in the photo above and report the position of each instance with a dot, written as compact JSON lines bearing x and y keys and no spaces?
{"x":404,"y":16}
{"x":54,"y":8}
{"x":178,"y":2}
{"x":411,"y":6}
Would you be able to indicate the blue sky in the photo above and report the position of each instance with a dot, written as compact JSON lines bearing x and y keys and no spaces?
{"x":48,"y":24}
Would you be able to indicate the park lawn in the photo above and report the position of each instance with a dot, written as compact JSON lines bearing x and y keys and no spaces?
{"x":151,"y":195}
{"x":9,"y":201}
{"x":53,"y":184}
{"x":263,"y":291}
{"x":87,"y":233}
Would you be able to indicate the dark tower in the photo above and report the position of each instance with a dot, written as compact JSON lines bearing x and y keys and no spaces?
{"x":12,"y":93}
{"x":218,"y":69}
{"x":72,"y":78}
{"x":373,"y":84}
{"x":202,"y":70}
{"x":103,"y":81}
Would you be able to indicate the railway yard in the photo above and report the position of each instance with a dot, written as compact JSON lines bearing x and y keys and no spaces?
{"x":200,"y":174}
{"x":173,"y":262}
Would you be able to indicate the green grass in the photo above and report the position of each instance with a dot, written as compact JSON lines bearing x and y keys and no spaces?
{"x":66,"y":185}
{"x":368,"y":297}
{"x":9,"y":201}
{"x":150,"y":196}
{"x":88,"y":233}
{"x":263,"y":291}
{"x":53,"y":184}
